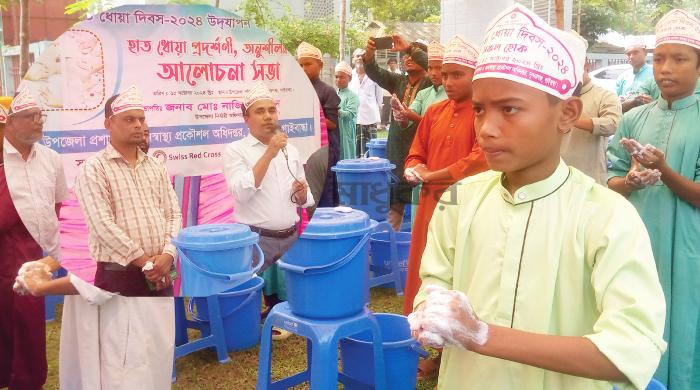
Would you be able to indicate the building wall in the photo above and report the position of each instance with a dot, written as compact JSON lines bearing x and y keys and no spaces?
{"x":46,"y":20}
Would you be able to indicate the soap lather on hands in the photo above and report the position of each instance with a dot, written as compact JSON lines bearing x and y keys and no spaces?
{"x":446,"y":318}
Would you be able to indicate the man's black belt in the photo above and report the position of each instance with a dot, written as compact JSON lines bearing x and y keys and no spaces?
{"x":284,"y":233}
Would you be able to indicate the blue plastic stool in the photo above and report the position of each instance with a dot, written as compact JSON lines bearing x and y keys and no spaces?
{"x":393,"y":277}
{"x":212,"y":332}
{"x":322,"y":348}
{"x":51,"y":301}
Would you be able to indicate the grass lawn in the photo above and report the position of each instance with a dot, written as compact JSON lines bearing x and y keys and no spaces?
{"x":201,"y":370}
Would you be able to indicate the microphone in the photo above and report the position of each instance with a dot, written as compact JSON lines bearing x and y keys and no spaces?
{"x":284,"y":149}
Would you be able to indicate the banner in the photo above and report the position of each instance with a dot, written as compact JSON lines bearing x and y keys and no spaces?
{"x":193,"y":65}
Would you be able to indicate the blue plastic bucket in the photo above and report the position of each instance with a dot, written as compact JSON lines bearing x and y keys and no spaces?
{"x":326,"y":270}
{"x":377,"y":147}
{"x":380,"y":253}
{"x":216,"y":258}
{"x":363,"y":184}
{"x":240,"y":313}
{"x":401,"y":354}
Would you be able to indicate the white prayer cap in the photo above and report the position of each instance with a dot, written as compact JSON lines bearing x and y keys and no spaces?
{"x":461,"y":52}
{"x":635,"y":43}
{"x":436,"y":51}
{"x":678,"y":26}
{"x":579,"y":37}
{"x":306,"y":50}
{"x":260,"y":91}
{"x":23,"y":101}
{"x":343,"y":67}
{"x":519,"y":46}
{"x":3,"y":114}
{"x":358,"y":52}
{"x":130,"y":99}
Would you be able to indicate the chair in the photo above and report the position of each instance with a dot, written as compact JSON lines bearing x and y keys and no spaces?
{"x":322,"y":336}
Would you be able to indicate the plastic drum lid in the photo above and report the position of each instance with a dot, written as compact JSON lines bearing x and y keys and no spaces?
{"x":215,"y":236}
{"x":339,"y":222}
{"x":372,"y":164}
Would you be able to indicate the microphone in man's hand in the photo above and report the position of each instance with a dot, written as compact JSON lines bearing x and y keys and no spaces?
{"x":284,"y":148}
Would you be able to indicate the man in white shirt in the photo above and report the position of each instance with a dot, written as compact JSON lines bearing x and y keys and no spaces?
{"x":266,"y":178}
{"x":370,"y":96}
{"x":32,"y":187}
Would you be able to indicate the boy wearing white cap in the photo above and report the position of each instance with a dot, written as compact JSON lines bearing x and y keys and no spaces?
{"x":311,"y":60}
{"x":32,"y":188}
{"x":130,"y":206}
{"x":347,"y":112}
{"x":662,"y":180}
{"x":561,"y":293}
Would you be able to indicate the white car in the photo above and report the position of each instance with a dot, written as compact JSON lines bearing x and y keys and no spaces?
{"x":606,"y":76}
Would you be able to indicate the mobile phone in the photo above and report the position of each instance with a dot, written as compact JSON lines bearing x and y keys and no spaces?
{"x":383,"y":43}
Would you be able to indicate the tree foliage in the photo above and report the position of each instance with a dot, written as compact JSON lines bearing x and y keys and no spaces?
{"x":402,"y":10}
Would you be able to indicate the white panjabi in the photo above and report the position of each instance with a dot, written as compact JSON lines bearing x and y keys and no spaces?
{"x":343,"y":67}
{"x":678,"y":26}
{"x":519,"y":46}
{"x":461,"y":52}
{"x":260,"y":91}
{"x":436,"y":51}
{"x":129,"y":99}
{"x":307,"y":50}
{"x":23,"y":101}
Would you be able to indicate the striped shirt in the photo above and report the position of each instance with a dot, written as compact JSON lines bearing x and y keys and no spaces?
{"x":130,"y":211}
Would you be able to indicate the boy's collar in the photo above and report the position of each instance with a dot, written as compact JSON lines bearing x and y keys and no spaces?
{"x":537,"y":190}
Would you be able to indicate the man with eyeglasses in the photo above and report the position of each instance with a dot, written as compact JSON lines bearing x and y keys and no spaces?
{"x":32,"y":187}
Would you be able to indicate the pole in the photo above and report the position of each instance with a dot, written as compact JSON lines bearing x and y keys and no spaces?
{"x":559,"y":10}
{"x":23,"y":37}
{"x":578,"y":18}
{"x":341,"y":43}
{"x":3,"y":76}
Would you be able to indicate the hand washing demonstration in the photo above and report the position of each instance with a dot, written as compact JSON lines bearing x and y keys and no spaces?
{"x":245,"y":194}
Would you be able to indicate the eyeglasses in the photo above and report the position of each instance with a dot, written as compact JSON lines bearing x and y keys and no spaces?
{"x":39,"y":117}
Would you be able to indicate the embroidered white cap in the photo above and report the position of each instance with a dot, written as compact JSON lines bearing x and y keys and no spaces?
{"x":519,"y":46}
{"x":130,"y":99}
{"x":459,"y":51}
{"x":678,"y":26}
{"x":260,"y":91}
{"x":436,"y":51}
{"x":3,"y":114}
{"x":23,"y":101}
{"x":307,"y":50}
{"x":343,"y":67}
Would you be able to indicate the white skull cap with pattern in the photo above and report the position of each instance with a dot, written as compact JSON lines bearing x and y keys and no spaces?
{"x":3,"y":114}
{"x":678,"y":26}
{"x":260,"y":91}
{"x":436,"y":51}
{"x":461,"y":52}
{"x":23,"y":101}
{"x":343,"y":67}
{"x":635,"y":42}
{"x":306,"y":50}
{"x":130,"y":99}
{"x":579,"y":37}
{"x":358,"y":52}
{"x":519,"y":46}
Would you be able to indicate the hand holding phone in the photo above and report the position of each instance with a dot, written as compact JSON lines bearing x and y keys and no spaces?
{"x":383,"y":43}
